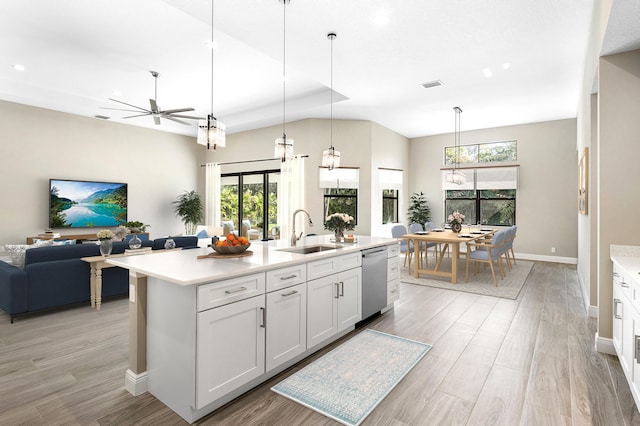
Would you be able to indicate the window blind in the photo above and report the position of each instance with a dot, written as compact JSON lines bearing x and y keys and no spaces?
{"x":340,"y":177}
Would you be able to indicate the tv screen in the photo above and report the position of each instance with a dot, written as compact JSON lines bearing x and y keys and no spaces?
{"x":86,"y":204}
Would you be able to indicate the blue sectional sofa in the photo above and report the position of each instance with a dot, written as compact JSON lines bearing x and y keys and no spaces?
{"x":55,"y":276}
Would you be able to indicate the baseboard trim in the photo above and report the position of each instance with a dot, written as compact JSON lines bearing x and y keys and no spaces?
{"x":136,"y":384}
{"x":543,"y":258}
{"x":593,"y":311}
{"x":605,"y":345}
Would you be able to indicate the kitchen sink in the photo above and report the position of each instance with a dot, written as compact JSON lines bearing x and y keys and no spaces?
{"x":309,"y":249}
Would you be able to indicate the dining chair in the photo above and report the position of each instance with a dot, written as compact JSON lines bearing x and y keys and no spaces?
{"x":508,"y":246}
{"x":413,"y":228}
{"x":487,"y":253}
{"x":428,"y":226}
{"x":398,"y":231}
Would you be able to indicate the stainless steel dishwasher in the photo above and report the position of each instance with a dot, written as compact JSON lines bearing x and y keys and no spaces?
{"x":374,"y":280}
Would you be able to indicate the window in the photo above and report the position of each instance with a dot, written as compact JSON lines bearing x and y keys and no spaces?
{"x":491,"y":152}
{"x":244,"y":209}
{"x":340,"y":190}
{"x":390,"y":206}
{"x":488,"y":207}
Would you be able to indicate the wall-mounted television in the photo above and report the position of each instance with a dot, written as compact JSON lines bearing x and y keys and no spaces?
{"x":86,"y":204}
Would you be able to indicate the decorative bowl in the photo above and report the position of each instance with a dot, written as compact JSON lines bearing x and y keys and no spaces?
{"x":230,"y":249}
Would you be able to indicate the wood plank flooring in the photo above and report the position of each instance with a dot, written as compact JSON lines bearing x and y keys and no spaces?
{"x":529,"y":361}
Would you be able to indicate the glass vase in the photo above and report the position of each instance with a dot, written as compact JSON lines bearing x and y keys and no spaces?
{"x":135,"y":242}
{"x":456,"y":227}
{"x":338,"y":235}
{"x":105,"y":247}
{"x":170,"y":244}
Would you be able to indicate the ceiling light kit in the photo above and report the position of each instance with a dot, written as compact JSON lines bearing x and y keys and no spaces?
{"x":211,"y":132}
{"x":455,"y":175}
{"x":155,"y":111}
{"x":331,"y":157}
{"x":283,"y":146}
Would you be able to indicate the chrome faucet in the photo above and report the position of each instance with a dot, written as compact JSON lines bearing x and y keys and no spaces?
{"x":294,"y":238}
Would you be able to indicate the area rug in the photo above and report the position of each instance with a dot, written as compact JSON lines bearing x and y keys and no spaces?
{"x":482,"y":283}
{"x":347,"y":383}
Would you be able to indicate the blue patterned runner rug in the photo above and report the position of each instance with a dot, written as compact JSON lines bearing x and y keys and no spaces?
{"x":347,"y":383}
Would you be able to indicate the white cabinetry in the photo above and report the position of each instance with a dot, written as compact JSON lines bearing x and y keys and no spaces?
{"x":230,"y":348}
{"x":393,"y":274}
{"x":286,"y":324}
{"x":333,"y":300}
{"x":626,"y":327}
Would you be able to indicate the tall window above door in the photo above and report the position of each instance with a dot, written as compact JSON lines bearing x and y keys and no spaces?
{"x":340,"y":187}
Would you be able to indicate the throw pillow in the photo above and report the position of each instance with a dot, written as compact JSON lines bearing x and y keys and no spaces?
{"x":64,"y":243}
{"x":202,"y":234}
{"x":17,"y":251}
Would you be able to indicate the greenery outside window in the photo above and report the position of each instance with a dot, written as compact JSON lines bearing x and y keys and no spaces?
{"x":341,"y":200}
{"x":390,"y":206}
{"x":491,"y":152}
{"x":488,"y":207}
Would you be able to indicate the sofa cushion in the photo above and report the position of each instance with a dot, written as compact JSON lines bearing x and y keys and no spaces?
{"x":47,"y":254}
{"x":17,"y":252}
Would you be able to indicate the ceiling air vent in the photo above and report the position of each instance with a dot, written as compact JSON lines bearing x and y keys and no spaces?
{"x":104,"y":117}
{"x":431,"y":84}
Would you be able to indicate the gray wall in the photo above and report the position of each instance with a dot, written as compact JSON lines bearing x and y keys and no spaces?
{"x":39,"y":144}
{"x":546,"y":206}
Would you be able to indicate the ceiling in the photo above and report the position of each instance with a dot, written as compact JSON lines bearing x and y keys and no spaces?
{"x":78,"y":53}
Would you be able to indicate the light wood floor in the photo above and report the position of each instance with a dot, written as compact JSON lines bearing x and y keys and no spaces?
{"x":494,"y":361}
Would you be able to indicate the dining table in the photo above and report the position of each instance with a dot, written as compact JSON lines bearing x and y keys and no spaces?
{"x":443,"y":238}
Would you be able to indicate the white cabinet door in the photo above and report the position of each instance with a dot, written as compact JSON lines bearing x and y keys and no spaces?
{"x":349,"y":302}
{"x":635,"y":366}
{"x":617,"y":318}
{"x":230,"y":348}
{"x":286,"y":324}
{"x":322,"y":306}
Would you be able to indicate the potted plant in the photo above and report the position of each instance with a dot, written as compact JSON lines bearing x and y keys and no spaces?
{"x":419,"y":211}
{"x":188,"y":207}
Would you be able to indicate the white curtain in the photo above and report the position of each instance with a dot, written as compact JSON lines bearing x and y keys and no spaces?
{"x":212,"y":197}
{"x":291,"y":196}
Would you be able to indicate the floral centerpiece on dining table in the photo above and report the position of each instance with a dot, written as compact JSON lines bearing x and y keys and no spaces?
{"x":338,"y":223}
{"x":455,"y":220}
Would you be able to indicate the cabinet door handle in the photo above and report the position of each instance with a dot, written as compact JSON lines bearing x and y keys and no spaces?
{"x":337,"y":290}
{"x":238,"y":290}
{"x":637,"y":349}
{"x":264,"y":318}
{"x":291,"y":293}
{"x":615,"y":309}
{"x":615,"y":274}
{"x":342,"y":288}
{"x":288,"y":277}
{"x":623,"y":284}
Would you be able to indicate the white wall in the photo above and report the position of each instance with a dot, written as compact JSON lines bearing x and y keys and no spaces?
{"x":39,"y":144}
{"x":546,"y":206}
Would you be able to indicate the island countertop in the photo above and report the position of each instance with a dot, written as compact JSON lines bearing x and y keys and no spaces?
{"x":184,"y":268}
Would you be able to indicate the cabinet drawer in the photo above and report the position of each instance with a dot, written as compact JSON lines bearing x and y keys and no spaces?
{"x":620,"y":278}
{"x":223,"y":292}
{"x":286,"y":277}
{"x":322,"y":268}
{"x":349,"y":261}
{"x":393,"y":251}
{"x":393,"y":291}
{"x":393,"y":269}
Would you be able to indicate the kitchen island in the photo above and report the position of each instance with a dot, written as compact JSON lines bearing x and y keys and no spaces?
{"x":204,"y":331}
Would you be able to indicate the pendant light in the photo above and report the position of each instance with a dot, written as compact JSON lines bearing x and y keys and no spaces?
{"x":284,"y":146}
{"x":211,"y":132}
{"x":331,"y":157}
{"x":456,"y":176}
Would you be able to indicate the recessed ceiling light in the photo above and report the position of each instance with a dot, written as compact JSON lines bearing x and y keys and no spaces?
{"x":506,"y":66}
{"x":18,"y":67}
{"x":381,"y":18}
{"x":487,"y":72}
{"x":434,"y":83}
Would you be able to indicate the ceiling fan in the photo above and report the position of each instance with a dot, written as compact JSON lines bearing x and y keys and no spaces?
{"x":154,"y":110}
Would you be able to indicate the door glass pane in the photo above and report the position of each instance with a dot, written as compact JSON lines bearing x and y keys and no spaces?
{"x":272,"y":213}
{"x":229,"y":203}
{"x":252,"y":206}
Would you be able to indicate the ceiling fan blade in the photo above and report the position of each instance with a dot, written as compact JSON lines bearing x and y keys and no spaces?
{"x":133,"y":106}
{"x":156,"y":119}
{"x":168,"y":117}
{"x":187,"y":116}
{"x":120,"y":109}
{"x":171,"y":111}
{"x":138,"y":115}
{"x":154,"y":106}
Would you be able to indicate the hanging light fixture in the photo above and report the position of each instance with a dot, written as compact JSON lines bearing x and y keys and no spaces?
{"x":284,"y":146}
{"x":331,"y":157}
{"x":211,"y":132}
{"x":456,"y":176}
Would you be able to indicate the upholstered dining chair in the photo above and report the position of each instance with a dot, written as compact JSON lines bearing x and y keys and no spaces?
{"x":487,"y":252}
{"x":508,"y":246}
{"x":398,"y":231}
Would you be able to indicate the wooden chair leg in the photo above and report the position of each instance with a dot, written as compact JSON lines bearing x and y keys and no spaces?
{"x":493,"y":274}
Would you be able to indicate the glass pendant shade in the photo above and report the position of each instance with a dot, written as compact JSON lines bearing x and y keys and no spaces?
{"x":211,"y":133}
{"x":283,"y":148}
{"x":331,"y":158}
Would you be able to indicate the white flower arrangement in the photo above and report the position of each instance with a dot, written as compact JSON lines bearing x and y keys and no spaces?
{"x":104,"y":234}
{"x":339,"y":222}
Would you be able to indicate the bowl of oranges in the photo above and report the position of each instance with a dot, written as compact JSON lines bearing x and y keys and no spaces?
{"x":232,"y":245}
